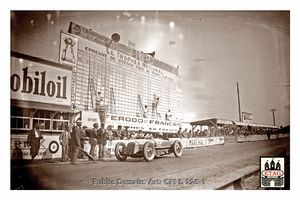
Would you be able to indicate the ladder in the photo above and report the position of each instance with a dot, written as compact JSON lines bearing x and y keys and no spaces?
{"x":153,"y":107}
{"x":140,"y":106}
{"x":93,"y":92}
{"x":112,"y":101}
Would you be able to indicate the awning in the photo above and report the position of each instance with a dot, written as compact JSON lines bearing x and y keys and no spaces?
{"x":227,"y":122}
{"x":40,"y":106}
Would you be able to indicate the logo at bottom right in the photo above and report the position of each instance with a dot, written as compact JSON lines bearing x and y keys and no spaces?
{"x":272,"y":172}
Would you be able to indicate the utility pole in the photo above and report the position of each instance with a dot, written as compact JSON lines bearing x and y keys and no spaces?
{"x":273,"y":110}
{"x":238,"y":93}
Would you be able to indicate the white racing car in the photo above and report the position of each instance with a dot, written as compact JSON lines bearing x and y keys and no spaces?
{"x":148,"y":148}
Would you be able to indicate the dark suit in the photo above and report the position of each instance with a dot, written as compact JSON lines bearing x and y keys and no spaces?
{"x":34,"y":141}
{"x":102,"y":142}
{"x":75,"y":143}
{"x":64,"y":142}
{"x":93,"y":141}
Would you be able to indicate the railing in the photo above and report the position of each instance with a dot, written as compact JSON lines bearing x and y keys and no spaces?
{"x":232,"y":181}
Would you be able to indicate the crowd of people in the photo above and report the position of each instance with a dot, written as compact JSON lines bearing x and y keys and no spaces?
{"x":73,"y":138}
{"x":224,"y":131}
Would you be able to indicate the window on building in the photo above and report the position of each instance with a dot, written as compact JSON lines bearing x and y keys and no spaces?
{"x":25,"y":118}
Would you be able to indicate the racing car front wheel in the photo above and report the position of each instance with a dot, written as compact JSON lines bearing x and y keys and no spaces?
{"x":120,"y":150}
{"x":149,"y":151}
{"x":177,"y":148}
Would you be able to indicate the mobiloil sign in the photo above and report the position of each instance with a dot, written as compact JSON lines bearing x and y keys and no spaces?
{"x":34,"y":81}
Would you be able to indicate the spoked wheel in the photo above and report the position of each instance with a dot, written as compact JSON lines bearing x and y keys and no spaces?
{"x":177,"y":148}
{"x":120,"y":151}
{"x":149,"y":151}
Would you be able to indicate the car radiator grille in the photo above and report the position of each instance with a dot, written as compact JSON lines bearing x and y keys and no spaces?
{"x":130,"y":148}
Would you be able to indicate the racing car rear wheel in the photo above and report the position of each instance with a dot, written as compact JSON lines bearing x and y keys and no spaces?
{"x":120,"y":151}
{"x":177,"y":148}
{"x":149,"y":151}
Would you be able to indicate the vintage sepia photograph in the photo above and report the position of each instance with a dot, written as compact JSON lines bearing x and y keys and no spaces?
{"x":150,"y":100}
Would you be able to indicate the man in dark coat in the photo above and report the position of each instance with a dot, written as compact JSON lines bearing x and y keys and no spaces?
{"x":33,"y":141}
{"x":93,"y":139}
{"x":75,"y":142}
{"x":101,"y":141}
{"x":64,"y":142}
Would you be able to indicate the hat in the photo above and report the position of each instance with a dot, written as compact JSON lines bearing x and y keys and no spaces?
{"x":179,"y":127}
{"x":84,"y":126}
{"x":95,"y":124}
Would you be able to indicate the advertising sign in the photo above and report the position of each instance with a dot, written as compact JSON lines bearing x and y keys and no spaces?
{"x":89,"y":34}
{"x":49,"y":149}
{"x":247,"y":117}
{"x":134,"y":123}
{"x":39,"y":82}
{"x":125,"y":60}
{"x":68,"y":49}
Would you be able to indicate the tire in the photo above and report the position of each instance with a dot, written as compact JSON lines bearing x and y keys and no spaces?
{"x":53,"y":147}
{"x":148,"y":151}
{"x":177,"y":148}
{"x":120,"y":150}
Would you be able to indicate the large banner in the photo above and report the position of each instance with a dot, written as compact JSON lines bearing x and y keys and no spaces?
{"x":200,"y":142}
{"x":89,"y":34}
{"x":134,"y":123}
{"x":125,"y":60}
{"x":39,"y":82}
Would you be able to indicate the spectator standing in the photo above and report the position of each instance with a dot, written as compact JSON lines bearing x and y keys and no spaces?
{"x":185,"y":133}
{"x":140,"y":134}
{"x":101,"y":141}
{"x":75,"y":142}
{"x":268,"y":134}
{"x":179,"y":133}
{"x":33,"y":141}
{"x":124,"y":133}
{"x":64,"y":142}
{"x":208,"y":132}
{"x":190,"y":134}
{"x":118,"y":133}
{"x":82,"y":140}
{"x":94,"y":139}
{"x":133,"y":135}
{"x":197,"y":133}
{"x":109,"y":133}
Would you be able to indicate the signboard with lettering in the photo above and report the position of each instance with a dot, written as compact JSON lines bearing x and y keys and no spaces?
{"x":247,"y":117}
{"x":89,"y":34}
{"x":39,"y":82}
{"x":134,"y":123}
{"x":128,"y":62}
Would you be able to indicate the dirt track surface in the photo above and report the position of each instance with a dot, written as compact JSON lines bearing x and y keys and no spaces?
{"x":197,"y":168}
